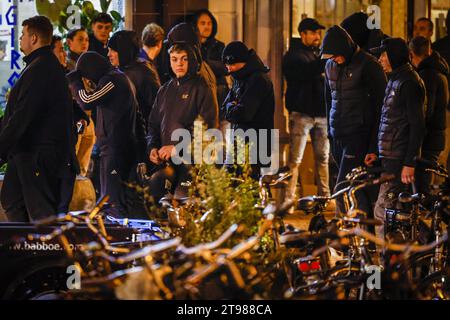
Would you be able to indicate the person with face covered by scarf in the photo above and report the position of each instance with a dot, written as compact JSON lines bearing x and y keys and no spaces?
{"x":179,"y":102}
{"x":96,"y":84}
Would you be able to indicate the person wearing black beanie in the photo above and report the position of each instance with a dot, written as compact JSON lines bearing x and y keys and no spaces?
{"x":402,"y":125}
{"x":96,"y":84}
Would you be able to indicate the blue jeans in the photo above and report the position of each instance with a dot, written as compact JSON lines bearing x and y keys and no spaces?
{"x":300,"y":126}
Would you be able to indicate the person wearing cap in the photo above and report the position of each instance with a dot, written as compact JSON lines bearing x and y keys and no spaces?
{"x":402,"y":125}
{"x":96,"y":84}
{"x":434,"y":72}
{"x":184,"y":33}
{"x":354,"y":91}
{"x":304,"y":73}
{"x":250,"y":104}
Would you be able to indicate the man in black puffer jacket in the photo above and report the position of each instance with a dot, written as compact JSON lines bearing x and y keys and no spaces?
{"x":123,"y":53}
{"x":96,"y":84}
{"x":402,"y":125}
{"x":250,"y":103}
{"x":434,"y":72}
{"x":178,"y":104}
{"x":354,"y":91}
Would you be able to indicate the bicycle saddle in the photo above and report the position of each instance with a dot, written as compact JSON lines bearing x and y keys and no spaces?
{"x":311,"y":204}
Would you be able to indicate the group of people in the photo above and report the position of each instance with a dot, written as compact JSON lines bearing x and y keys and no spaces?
{"x":372,"y":100}
{"x":362,"y":97}
{"x":107,"y":105}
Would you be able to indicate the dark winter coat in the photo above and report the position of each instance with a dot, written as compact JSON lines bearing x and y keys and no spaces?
{"x":304,"y":73}
{"x":178,"y":104}
{"x":39,"y":110}
{"x":354,"y":91}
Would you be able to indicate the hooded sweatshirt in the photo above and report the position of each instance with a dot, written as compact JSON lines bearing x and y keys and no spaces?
{"x":179,"y":103}
{"x":114,"y":99}
{"x":434,"y":72}
{"x":211,"y":49}
{"x":143,"y":77}
{"x":354,"y":90}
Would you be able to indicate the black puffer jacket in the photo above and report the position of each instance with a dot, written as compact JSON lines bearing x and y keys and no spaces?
{"x":354,"y":90}
{"x":304,"y":73}
{"x":434,"y":72}
{"x":178,"y":104}
{"x":443,"y":47}
{"x":115,"y":102}
{"x":402,"y":125}
{"x":251,"y":102}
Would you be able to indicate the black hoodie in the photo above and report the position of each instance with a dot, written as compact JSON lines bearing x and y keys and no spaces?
{"x":179,"y":103}
{"x":354,"y":91}
{"x":185,"y":33}
{"x":114,"y":99}
{"x":365,"y":38}
{"x":434,"y":72}
{"x":211,"y":49}
{"x":251,"y":103}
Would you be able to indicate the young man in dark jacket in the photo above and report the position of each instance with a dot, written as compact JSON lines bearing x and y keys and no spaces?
{"x":434,"y":72}
{"x":96,"y":84}
{"x":124,"y":53}
{"x":402,"y":125}
{"x":354,"y":91}
{"x":250,"y":104}
{"x":184,"y":33}
{"x":303,"y":70}
{"x":35,"y":130}
{"x":211,"y":50}
{"x":178,"y":104}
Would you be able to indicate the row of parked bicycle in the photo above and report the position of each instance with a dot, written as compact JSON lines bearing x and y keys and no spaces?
{"x":333,"y":259}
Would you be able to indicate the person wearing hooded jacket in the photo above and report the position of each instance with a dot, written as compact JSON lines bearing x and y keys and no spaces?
{"x":356,"y":26}
{"x":179,"y":103}
{"x":303,"y":70}
{"x":434,"y":72}
{"x":184,"y":33}
{"x":402,"y":125}
{"x":35,"y":137}
{"x":250,"y":104}
{"x":96,"y":84}
{"x":211,"y":50}
{"x":354,"y":91}
{"x":123,"y":53}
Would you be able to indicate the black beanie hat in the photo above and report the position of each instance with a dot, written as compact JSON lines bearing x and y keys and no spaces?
{"x":396,"y":49}
{"x":235,"y":51}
